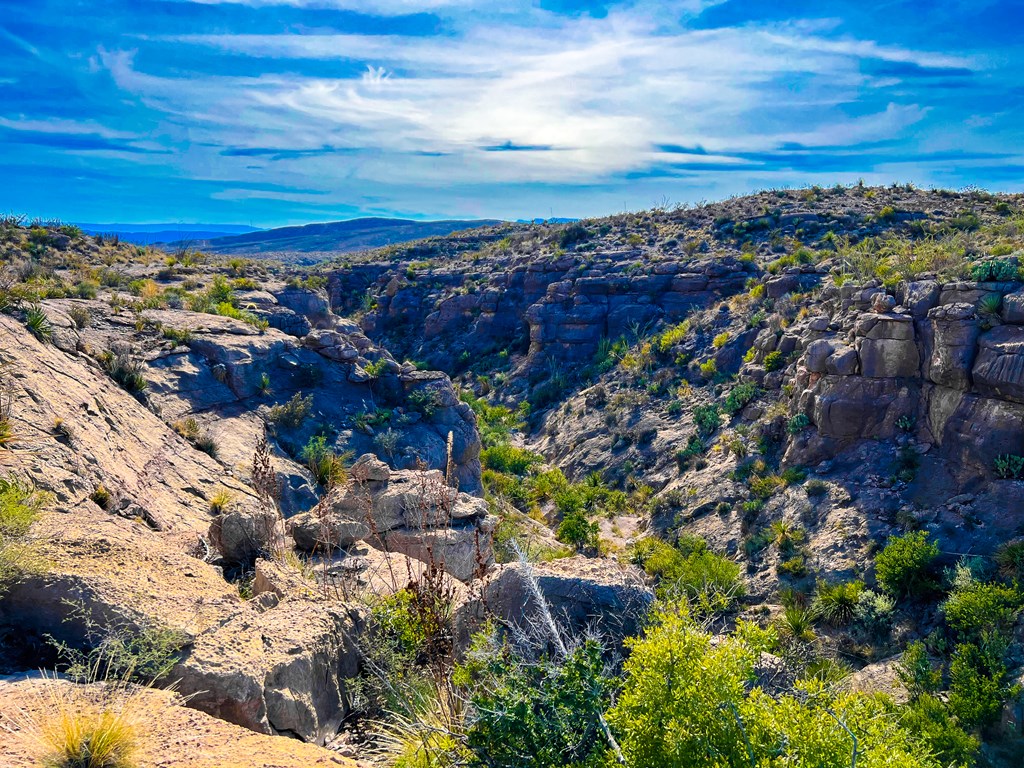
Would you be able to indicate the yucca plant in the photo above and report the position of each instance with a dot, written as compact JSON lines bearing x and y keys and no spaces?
{"x":38,"y":323}
{"x":836,"y":603}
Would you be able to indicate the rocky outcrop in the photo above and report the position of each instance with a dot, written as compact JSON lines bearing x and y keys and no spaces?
{"x":564,"y":305}
{"x":272,"y":667}
{"x":171,"y":735}
{"x":937,"y":366}
{"x":415,"y":513}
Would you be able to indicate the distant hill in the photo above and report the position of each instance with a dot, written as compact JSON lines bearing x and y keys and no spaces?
{"x":148,"y":234}
{"x":335,"y":236}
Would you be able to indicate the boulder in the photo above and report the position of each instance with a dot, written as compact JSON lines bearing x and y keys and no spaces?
{"x":465,"y":552}
{"x":313,"y":533}
{"x":955,"y":331}
{"x":240,"y":535}
{"x":583,"y":595}
{"x":999,"y":368}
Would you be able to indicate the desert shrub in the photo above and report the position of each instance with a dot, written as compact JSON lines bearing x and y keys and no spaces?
{"x":20,"y":505}
{"x":979,"y":681}
{"x":706,"y":418}
{"x":537,"y":714}
{"x":577,"y":531}
{"x":672,"y":336}
{"x":977,"y":608}
{"x":327,"y":466}
{"x":837,"y":603}
{"x":709,"y":368}
{"x":739,"y":396}
{"x":510,"y":487}
{"x":178,"y":335}
{"x":709,"y":581}
{"x":720,"y":340}
{"x":798,"y":423}
{"x":873,"y":613}
{"x":998,"y":270}
{"x":931,"y":720}
{"x":916,"y":672}
{"x":774,"y":361}
{"x":685,"y":698}
{"x":906,"y":565}
{"x":80,"y":316}
{"x":292,"y":413}
{"x":125,"y":370}
{"x":425,"y":401}
{"x":1010,"y":559}
{"x":142,"y":655}
{"x":509,"y":459}
{"x":101,"y":497}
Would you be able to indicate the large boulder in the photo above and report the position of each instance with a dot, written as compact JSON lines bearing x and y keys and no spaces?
{"x":885,"y":346}
{"x":582,"y":595}
{"x":955,"y":331}
{"x":999,"y":368}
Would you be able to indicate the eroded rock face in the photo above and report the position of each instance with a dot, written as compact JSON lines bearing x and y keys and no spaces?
{"x":412,"y":512}
{"x":277,"y":667}
{"x":999,"y":368}
{"x":583,"y":595}
{"x":955,"y":328}
{"x":176,"y":736}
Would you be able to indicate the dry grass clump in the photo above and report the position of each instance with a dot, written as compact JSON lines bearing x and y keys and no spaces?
{"x":88,"y":726}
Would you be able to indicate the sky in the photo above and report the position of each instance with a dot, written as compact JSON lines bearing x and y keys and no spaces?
{"x":273,"y":112}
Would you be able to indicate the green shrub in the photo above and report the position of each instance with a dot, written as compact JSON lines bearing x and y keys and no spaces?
{"x":686,"y":701}
{"x":906,"y":565}
{"x":20,"y":505}
{"x":709,"y":368}
{"x":739,"y":396}
{"x":798,"y":423}
{"x":327,"y":466}
{"x":577,"y":531}
{"x":707,"y":419}
{"x":142,"y":655}
{"x":931,"y":720}
{"x":509,"y":459}
{"x":292,"y":413}
{"x":425,"y":401}
{"x":996,"y":270}
{"x":873,"y":613}
{"x":979,"y":681}
{"x":774,"y":361}
{"x":916,"y":672}
{"x":977,"y":608}
{"x":537,"y":714}
{"x":837,"y":603}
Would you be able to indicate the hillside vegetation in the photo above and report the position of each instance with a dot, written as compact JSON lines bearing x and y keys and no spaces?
{"x":725,"y":485}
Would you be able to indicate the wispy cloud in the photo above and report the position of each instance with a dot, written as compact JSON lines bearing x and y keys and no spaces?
{"x":498,"y":98}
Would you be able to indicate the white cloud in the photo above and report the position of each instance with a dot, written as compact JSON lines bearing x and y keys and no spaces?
{"x":601,"y":94}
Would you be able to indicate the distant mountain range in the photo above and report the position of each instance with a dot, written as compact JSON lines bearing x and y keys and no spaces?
{"x":148,"y":234}
{"x":334,"y":236}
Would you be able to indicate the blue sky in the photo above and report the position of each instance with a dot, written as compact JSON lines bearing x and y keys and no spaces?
{"x":273,"y":112}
